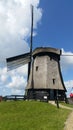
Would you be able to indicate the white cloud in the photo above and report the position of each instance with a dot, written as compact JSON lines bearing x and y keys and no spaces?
{"x":15,"y":24}
{"x":14,"y":80}
{"x":67,"y":67}
{"x":3,"y":71}
{"x":17,"y":92}
{"x":17,"y":82}
{"x":69,"y":84}
{"x":15,"y":21}
{"x":69,"y":87}
{"x":67,"y":60}
{"x":3,"y":78}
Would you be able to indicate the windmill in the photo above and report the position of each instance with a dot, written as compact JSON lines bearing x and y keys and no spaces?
{"x":45,"y":81}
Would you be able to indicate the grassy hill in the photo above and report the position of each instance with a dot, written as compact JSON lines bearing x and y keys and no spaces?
{"x":31,"y":115}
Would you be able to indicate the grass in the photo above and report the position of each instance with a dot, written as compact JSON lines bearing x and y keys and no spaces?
{"x":68,"y":105}
{"x":31,"y":115}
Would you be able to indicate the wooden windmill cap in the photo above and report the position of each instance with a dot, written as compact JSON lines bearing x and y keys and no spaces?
{"x":46,"y":50}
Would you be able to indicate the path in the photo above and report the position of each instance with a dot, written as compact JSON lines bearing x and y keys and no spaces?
{"x":60,"y":105}
{"x":69,"y":121}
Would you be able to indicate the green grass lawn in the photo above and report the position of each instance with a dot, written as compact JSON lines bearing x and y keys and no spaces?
{"x":31,"y":115}
{"x":68,"y":105}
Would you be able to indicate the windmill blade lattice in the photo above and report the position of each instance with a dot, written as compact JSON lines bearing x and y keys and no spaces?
{"x":17,"y":61}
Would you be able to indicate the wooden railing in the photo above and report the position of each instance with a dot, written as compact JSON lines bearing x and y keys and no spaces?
{"x":14,"y":97}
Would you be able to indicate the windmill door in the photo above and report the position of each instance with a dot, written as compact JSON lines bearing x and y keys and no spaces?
{"x":51,"y":94}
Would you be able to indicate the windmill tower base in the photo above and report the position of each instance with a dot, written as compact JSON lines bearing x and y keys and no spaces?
{"x":46,"y":94}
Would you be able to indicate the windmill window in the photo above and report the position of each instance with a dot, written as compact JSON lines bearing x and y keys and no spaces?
{"x":50,"y":58}
{"x":53,"y":81}
{"x":36,"y":68}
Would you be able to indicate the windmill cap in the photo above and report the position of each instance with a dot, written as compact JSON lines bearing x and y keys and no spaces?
{"x":46,"y":50}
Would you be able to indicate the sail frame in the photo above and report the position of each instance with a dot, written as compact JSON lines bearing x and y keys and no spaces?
{"x":17,"y":61}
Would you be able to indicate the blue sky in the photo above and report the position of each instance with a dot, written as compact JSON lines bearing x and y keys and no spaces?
{"x":56,"y":28}
{"x":53,"y":26}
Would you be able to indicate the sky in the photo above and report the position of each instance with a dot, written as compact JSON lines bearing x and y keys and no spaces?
{"x":53,"y":27}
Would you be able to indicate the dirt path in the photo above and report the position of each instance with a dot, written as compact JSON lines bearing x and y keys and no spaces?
{"x":60,"y":105}
{"x":69,"y":121}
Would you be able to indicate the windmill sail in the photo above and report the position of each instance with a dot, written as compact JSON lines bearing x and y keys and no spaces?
{"x":17,"y":61}
{"x":31,"y":38}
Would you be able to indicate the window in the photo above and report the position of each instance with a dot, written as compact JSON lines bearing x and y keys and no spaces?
{"x":36,"y":68}
{"x":50,"y":58}
{"x":53,"y":81}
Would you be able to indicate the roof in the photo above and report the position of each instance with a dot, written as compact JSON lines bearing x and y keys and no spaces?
{"x":46,"y":50}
